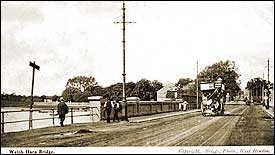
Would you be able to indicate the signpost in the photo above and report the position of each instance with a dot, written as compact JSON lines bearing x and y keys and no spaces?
{"x":34,"y":66}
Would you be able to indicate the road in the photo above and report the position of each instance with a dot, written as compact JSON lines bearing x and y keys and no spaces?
{"x":241,"y":125}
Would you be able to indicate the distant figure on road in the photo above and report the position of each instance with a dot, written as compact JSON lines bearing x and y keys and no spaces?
{"x":185,"y":103}
{"x":117,"y":108}
{"x":108,"y":109}
{"x":181,"y":106}
{"x":62,"y":110}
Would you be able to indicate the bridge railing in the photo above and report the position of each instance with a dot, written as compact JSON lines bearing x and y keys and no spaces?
{"x":140,"y":108}
{"x":53,"y":115}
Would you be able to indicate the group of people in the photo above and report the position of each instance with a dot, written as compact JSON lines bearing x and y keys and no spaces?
{"x":108,"y":106}
{"x":63,"y":109}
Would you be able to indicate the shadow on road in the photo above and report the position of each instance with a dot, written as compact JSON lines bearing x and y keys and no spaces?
{"x":232,"y":114}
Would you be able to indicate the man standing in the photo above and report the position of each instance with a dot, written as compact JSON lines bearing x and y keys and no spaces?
{"x":62,"y":110}
{"x":116,"y":110}
{"x":108,"y":109}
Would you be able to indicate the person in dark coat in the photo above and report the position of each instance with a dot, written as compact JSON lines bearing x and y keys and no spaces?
{"x":116,"y":110}
{"x":108,"y":109}
{"x":62,"y":110}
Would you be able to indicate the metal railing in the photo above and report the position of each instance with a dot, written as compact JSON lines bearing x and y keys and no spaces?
{"x":53,"y":115}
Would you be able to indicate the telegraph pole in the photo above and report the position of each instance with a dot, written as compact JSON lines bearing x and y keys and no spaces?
{"x":267,"y":105}
{"x":268,"y":70}
{"x":123,"y":45}
{"x":263,"y":90}
{"x":197,"y":86}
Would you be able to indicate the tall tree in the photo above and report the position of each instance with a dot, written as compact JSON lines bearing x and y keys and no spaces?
{"x":43,"y":97}
{"x":71,"y":94}
{"x":81,"y":82}
{"x":115,"y":91}
{"x":156,"y":86}
{"x":227,"y":71}
{"x":54,"y":98}
{"x":143,"y":90}
{"x":97,"y":91}
{"x":79,"y":88}
{"x":130,"y":86}
{"x":183,"y":82}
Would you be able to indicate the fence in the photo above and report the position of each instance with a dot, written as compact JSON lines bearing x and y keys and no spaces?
{"x":53,"y":116}
{"x":135,"y":108}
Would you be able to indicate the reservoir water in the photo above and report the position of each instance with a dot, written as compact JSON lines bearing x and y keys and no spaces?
{"x":24,"y":115}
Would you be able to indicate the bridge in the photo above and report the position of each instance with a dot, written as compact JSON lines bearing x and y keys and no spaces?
{"x":242,"y":125}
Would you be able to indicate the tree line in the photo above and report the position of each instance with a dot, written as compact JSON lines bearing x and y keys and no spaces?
{"x":256,"y":87}
{"x":26,"y":99}
{"x":79,"y":88}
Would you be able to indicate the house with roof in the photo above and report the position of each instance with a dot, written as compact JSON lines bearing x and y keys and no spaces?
{"x":171,"y":92}
{"x":162,"y":93}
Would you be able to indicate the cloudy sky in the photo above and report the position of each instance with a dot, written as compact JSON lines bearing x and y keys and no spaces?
{"x":68,"y":39}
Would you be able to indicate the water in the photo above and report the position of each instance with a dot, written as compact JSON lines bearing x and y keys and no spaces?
{"x":24,"y":115}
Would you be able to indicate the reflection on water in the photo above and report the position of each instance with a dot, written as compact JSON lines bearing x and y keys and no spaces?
{"x":24,"y":115}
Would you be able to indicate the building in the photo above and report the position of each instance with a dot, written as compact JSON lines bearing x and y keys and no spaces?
{"x":187,"y":93}
{"x":162,"y":93}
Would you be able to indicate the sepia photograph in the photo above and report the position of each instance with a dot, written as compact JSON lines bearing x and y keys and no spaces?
{"x":137,"y":77}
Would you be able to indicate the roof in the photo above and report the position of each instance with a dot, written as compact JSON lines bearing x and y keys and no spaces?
{"x":163,"y":91}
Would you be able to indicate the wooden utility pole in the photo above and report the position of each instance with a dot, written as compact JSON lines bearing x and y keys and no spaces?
{"x":263,"y":91}
{"x":267,"y":105}
{"x":34,"y":66}
{"x":197,"y":85}
{"x":268,"y":70}
{"x":123,"y":44}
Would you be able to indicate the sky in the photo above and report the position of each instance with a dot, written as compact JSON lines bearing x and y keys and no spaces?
{"x":70,"y":38}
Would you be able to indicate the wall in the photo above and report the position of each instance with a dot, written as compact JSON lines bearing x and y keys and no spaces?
{"x":139,"y":108}
{"x":135,"y":108}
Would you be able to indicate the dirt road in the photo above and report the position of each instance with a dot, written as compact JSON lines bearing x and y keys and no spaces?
{"x":191,"y":129}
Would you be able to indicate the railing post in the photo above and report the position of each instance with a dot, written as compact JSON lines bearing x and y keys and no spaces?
{"x":2,"y":122}
{"x":161,"y":106}
{"x":92,"y":114}
{"x":150,"y":108}
{"x":98,"y":116}
{"x":138,"y":107}
{"x":72,"y":119}
{"x":53,"y":115}
{"x":173,"y":106}
{"x":134,"y":106}
{"x":102,"y":113}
